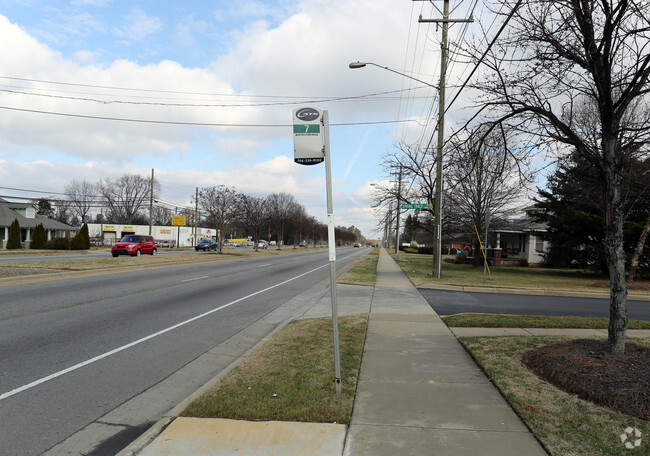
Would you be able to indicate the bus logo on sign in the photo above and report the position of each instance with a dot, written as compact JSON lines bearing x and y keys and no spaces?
{"x":307,"y":114}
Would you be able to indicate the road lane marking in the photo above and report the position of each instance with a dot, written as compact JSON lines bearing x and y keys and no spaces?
{"x":193,"y":279}
{"x":146,"y":338}
{"x":264,"y":265}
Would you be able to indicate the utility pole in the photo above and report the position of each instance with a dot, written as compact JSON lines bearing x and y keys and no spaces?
{"x":437,"y":251}
{"x":151,"y":204}
{"x":399,"y":196}
{"x":196,"y":216}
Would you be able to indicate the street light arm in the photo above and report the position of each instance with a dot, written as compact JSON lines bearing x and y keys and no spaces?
{"x":355,"y":65}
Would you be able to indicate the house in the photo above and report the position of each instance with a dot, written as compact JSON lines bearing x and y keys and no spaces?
{"x":28,"y":219}
{"x":521,"y":242}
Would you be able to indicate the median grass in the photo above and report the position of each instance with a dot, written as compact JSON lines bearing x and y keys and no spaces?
{"x":533,"y":321}
{"x":290,"y":377}
{"x":108,"y":262}
{"x":364,"y":272}
{"x":565,"y":424}
{"x":419,"y":268}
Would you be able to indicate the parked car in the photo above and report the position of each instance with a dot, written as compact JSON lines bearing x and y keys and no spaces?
{"x":262,"y":244}
{"x":134,"y":245}
{"x":206,"y":245}
{"x":167,"y":243}
{"x":357,"y":245}
{"x":302,"y":244}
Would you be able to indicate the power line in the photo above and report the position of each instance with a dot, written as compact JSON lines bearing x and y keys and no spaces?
{"x":373,"y":96}
{"x":195,"y":124}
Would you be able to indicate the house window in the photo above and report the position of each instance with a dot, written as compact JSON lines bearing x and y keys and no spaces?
{"x":539,"y":244}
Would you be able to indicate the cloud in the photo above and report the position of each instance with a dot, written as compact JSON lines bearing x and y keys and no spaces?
{"x":138,"y":26}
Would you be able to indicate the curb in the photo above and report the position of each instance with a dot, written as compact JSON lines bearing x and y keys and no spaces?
{"x":154,"y":431}
{"x":529,"y":291}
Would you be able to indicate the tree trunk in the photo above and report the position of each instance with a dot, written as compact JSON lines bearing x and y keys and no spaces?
{"x":616,"y":335}
{"x":634,"y":263}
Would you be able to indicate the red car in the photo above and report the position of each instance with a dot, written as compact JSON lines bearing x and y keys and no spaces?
{"x":134,"y":245}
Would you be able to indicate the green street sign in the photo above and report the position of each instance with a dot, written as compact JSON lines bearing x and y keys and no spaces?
{"x":417,"y":206}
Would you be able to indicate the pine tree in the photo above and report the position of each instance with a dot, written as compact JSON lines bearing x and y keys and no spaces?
{"x":14,"y":236}
{"x":40,"y":238}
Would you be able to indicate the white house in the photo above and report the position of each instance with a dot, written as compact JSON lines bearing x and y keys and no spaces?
{"x":28,"y":219}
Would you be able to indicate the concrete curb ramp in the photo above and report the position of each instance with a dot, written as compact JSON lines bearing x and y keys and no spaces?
{"x":218,"y":437}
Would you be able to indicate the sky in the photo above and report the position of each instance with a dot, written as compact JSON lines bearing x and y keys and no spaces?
{"x":203,"y":93}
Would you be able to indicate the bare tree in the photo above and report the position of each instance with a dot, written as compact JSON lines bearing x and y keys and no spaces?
{"x":484,"y":175}
{"x":126,"y":196}
{"x":81,"y":198}
{"x":221,"y":205}
{"x":253,"y":216}
{"x":282,"y":208}
{"x":556,"y":56}
{"x":162,"y":216}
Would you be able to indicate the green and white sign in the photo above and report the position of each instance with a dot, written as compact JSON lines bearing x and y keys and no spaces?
{"x":417,"y":206}
{"x":308,"y":136}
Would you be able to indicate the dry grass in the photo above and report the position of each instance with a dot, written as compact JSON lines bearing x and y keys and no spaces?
{"x":566,"y":425}
{"x":290,"y":377}
{"x":148,"y":260}
{"x":364,"y":272}
{"x":533,"y":321}
{"x":418,"y":268}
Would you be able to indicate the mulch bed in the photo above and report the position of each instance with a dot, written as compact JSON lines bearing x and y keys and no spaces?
{"x":582,"y":367}
{"x":629,"y":286}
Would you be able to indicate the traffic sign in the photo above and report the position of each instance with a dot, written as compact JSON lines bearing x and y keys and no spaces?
{"x":417,"y":206}
{"x":307,"y":136}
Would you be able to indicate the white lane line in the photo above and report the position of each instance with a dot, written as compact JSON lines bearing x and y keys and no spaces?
{"x":144,"y":339}
{"x":195,"y":278}
{"x":264,"y":265}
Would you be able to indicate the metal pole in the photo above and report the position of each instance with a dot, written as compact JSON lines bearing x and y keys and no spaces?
{"x":437,"y":255}
{"x":487,"y":224}
{"x":399,"y":195}
{"x":151,"y":204}
{"x":331,"y":242}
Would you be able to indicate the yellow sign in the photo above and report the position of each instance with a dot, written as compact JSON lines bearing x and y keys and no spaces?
{"x":109,"y":227}
{"x":127,"y":228}
{"x":178,"y":220}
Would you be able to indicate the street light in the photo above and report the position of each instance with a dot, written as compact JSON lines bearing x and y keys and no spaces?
{"x":437,"y":253}
{"x":355,"y":65}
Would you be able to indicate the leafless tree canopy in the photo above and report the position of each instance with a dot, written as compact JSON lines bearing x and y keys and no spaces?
{"x":126,"y":196}
{"x":555,"y":58}
{"x":81,"y":198}
{"x":220,"y":204}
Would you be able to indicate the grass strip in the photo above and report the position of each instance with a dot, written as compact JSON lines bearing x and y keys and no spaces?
{"x":533,"y":321}
{"x":364,"y":272}
{"x":109,"y":262}
{"x":419,"y":268}
{"x":563,"y":423}
{"x":290,"y":377}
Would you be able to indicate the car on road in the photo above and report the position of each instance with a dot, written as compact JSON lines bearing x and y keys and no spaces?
{"x":134,"y":245}
{"x":207,"y":245}
{"x":262,"y":244}
{"x":302,"y":244}
{"x":357,"y":245}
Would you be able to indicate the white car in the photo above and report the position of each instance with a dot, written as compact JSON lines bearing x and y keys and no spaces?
{"x":262,"y":244}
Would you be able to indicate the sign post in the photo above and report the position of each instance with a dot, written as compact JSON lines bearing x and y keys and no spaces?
{"x":178,"y":221}
{"x":311,"y":144}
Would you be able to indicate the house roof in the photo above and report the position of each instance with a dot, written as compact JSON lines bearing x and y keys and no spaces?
{"x":8,"y":215}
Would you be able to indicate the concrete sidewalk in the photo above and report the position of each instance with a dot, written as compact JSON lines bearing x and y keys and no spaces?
{"x":419,"y":393}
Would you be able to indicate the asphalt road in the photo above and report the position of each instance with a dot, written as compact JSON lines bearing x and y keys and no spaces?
{"x":455,"y":302}
{"x":73,"y":350}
